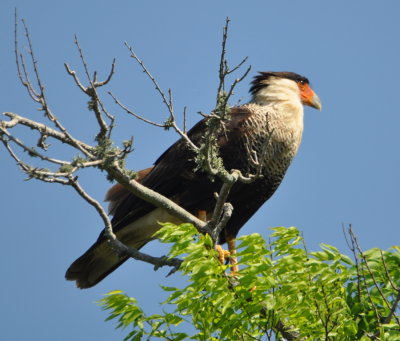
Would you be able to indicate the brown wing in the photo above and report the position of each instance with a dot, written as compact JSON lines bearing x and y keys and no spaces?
{"x":118,"y":194}
{"x":173,"y":176}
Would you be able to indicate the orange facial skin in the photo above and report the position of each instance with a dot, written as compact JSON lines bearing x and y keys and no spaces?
{"x":308,"y":96}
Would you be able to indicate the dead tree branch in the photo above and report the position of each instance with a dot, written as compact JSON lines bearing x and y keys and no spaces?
{"x":104,"y":156}
{"x":206,"y":155}
{"x":110,"y":159}
{"x":101,"y":155}
{"x":171,"y":121}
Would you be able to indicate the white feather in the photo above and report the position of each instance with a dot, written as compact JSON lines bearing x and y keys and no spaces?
{"x":282,"y":95}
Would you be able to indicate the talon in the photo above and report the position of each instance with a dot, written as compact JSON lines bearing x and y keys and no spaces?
{"x":253,"y":288}
{"x":234,"y":274}
{"x":222,"y":253}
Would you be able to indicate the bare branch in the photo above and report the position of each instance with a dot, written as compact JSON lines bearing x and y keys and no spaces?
{"x":147,"y":72}
{"x":76,"y":78}
{"x":66,"y":178}
{"x":236,"y":82}
{"x":244,"y":60}
{"x":352,"y":248}
{"x":33,"y":60}
{"x":391,"y":314}
{"x":227,"y":210}
{"x":170,"y":104}
{"x":360,"y":274}
{"x":362,"y":255}
{"x":107,"y":80}
{"x":392,"y":307}
{"x":116,"y":244}
{"x":20,"y":63}
{"x":24,"y":167}
{"x":26,"y":80}
{"x":110,"y":160}
{"x":184,"y":120}
{"x":92,"y":92}
{"x":130,"y":112}
{"x":61,"y":134}
{"x":30,"y":150}
{"x":222,"y":63}
{"x":171,"y":122}
{"x":222,"y":210}
{"x":46,"y":130}
{"x":395,"y":288}
{"x":40,"y":95}
{"x":154,"y":198}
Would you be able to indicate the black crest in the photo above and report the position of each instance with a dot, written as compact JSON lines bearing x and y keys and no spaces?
{"x":259,"y":81}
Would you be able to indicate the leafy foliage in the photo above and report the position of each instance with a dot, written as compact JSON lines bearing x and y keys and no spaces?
{"x":281,"y":289}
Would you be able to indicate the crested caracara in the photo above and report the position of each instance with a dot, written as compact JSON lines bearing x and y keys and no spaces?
{"x":275,"y":112}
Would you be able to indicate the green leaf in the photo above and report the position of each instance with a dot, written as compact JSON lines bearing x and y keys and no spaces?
{"x":277,"y":281}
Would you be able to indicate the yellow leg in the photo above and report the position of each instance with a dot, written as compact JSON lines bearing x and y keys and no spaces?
{"x":224,"y":254}
{"x":232,"y":251}
{"x":202,"y":215}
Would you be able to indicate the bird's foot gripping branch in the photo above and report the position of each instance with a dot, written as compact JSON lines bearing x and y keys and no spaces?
{"x":282,"y":290}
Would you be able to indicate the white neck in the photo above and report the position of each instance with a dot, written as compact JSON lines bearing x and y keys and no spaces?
{"x":283,"y":97}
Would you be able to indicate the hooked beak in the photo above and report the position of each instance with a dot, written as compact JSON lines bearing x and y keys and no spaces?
{"x":309,"y":97}
{"x":315,"y":102}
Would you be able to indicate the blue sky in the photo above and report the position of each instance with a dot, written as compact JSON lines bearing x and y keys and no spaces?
{"x":347,"y":169}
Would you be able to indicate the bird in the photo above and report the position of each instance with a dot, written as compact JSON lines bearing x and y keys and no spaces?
{"x":268,"y":128}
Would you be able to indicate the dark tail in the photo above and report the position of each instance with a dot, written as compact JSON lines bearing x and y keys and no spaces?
{"x":95,"y":264}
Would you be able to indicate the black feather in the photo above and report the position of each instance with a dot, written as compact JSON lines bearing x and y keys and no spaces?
{"x":261,"y":80}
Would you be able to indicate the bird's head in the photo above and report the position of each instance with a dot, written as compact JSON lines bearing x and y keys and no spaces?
{"x":270,"y":87}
